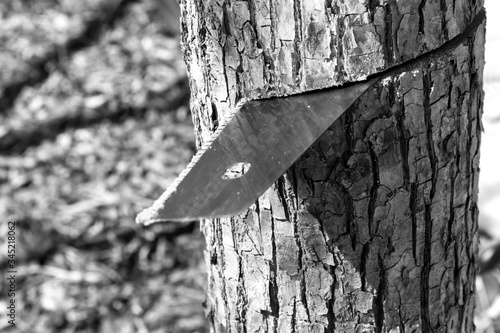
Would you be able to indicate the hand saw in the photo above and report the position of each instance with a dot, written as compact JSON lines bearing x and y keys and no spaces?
{"x":260,"y":141}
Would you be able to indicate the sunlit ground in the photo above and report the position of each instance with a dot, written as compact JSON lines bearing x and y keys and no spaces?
{"x":488,"y":283}
{"x":489,"y":181}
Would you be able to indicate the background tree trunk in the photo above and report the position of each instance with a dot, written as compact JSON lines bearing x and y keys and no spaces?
{"x":374,"y":229}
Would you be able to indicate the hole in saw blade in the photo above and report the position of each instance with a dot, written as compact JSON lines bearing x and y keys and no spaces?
{"x":236,"y":170}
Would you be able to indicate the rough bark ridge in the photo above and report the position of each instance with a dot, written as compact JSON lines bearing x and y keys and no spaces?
{"x":374,"y":228}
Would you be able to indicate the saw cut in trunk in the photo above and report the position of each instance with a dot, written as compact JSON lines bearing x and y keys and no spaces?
{"x":374,"y":228}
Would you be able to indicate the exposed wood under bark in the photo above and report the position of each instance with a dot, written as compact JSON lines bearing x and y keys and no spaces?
{"x":374,"y":228}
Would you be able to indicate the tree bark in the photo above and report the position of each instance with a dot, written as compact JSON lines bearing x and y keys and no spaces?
{"x":374,"y":229}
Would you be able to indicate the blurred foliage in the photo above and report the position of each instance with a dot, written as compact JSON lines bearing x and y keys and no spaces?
{"x":94,"y":123}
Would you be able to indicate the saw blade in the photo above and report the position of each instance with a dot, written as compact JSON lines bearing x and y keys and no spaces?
{"x":249,"y":153}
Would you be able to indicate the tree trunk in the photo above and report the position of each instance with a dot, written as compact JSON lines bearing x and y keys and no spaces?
{"x":374,"y":229}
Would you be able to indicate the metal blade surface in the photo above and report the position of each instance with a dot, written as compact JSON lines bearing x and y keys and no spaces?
{"x":262,"y":140}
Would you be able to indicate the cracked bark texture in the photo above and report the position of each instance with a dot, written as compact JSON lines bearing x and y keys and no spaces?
{"x":374,"y":229}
